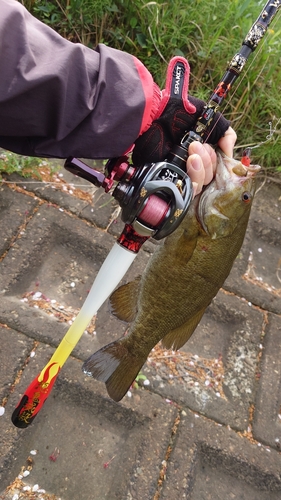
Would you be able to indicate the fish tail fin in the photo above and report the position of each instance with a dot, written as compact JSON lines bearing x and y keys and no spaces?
{"x":116,"y":366}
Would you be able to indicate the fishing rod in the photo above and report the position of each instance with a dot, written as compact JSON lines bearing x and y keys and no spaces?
{"x":153,"y":200}
{"x":204,"y":125}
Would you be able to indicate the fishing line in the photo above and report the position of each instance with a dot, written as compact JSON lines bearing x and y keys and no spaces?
{"x":3,"y":181}
{"x":234,"y":92}
{"x":269,"y":137}
{"x":272,"y":130}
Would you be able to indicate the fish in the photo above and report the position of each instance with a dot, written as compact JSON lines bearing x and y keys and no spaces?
{"x":181,"y":278}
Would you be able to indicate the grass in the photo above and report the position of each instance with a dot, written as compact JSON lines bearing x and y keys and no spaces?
{"x":208,"y":34}
{"x":25,"y":166}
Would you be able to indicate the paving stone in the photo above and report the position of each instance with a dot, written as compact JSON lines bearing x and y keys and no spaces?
{"x":258,"y":263}
{"x":56,"y":252}
{"x":228,"y":335}
{"x":267,"y":198}
{"x":56,"y":241}
{"x":14,"y":211}
{"x":255,"y":276}
{"x":153,"y":445}
{"x":267,"y":415}
{"x":15,"y":347}
{"x":122,"y":445}
{"x":266,"y":254}
{"x":210,"y":462}
{"x":256,"y":272}
{"x":99,"y":210}
{"x":61,"y":199}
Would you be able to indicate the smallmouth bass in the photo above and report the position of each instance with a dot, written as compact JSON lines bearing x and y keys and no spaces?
{"x":182,"y":277}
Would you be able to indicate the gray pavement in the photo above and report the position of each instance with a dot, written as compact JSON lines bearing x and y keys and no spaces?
{"x":204,"y":423}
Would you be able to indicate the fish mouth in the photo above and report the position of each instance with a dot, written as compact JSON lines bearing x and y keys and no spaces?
{"x":229,"y":171}
{"x":243,"y":171}
{"x":227,"y":166}
{"x":253,"y":170}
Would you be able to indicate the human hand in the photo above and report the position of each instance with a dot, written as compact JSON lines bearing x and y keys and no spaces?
{"x":175,"y":114}
{"x":202,"y":161}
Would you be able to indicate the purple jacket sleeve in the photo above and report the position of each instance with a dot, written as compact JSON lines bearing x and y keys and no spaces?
{"x":58,"y":98}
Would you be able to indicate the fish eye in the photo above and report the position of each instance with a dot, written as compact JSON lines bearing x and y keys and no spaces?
{"x":246,"y":197}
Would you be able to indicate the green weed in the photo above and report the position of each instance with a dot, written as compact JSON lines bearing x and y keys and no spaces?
{"x":25,"y":166}
{"x":11,"y":163}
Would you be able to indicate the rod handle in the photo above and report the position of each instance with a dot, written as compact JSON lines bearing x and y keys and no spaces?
{"x":33,"y":399}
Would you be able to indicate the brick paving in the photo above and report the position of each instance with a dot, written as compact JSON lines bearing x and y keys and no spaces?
{"x":206,"y":424}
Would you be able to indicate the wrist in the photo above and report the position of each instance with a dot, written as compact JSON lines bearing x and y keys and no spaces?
{"x":152,"y":108}
{"x":152,"y":96}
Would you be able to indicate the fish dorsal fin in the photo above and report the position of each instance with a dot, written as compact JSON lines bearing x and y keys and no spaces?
{"x":176,"y":338}
{"x":124,"y":300}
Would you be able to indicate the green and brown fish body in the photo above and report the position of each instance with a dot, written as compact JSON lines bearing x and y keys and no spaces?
{"x":182,"y":277}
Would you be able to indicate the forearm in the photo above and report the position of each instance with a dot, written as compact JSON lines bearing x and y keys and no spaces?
{"x":58,"y":98}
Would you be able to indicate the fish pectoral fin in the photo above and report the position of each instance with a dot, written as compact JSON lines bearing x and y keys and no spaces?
{"x":185,"y":246}
{"x":176,"y":338}
{"x":124,"y":300}
{"x":114,"y":365}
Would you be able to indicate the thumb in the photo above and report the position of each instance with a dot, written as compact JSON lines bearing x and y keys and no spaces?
{"x":227,"y":142}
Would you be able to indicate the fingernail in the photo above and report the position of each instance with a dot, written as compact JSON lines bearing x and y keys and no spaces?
{"x":195,"y":188}
{"x":197,"y":148}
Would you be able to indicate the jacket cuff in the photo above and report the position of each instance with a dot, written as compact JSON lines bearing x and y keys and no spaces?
{"x":152,"y":96}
